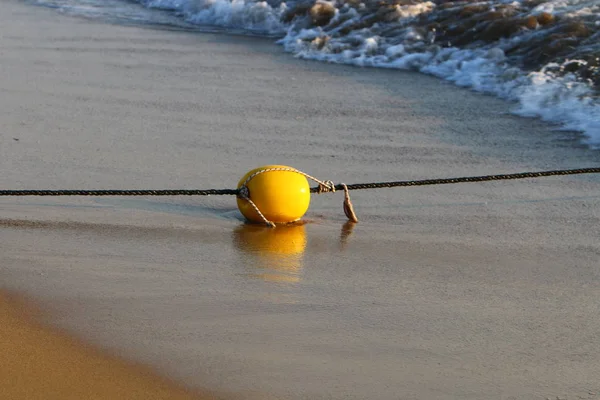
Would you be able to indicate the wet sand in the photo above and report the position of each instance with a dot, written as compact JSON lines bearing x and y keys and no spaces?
{"x":455,"y":292}
{"x":39,"y":363}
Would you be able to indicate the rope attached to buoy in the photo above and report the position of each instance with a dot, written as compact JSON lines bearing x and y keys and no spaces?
{"x":323,"y":187}
{"x":467,"y":179}
{"x":244,"y":194}
{"x":125,"y":192}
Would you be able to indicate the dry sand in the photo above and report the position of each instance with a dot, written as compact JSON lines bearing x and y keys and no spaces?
{"x":474,"y":291}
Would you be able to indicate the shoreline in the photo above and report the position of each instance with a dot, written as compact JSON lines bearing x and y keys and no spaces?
{"x":450,"y":292}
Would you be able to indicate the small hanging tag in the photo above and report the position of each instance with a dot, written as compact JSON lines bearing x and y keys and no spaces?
{"x":348,"y":208}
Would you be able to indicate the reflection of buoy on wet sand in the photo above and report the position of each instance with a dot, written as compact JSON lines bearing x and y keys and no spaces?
{"x":256,"y":239}
{"x":277,"y":253}
{"x":281,"y":193}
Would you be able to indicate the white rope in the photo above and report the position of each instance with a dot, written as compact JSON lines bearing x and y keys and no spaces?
{"x":244,"y":194}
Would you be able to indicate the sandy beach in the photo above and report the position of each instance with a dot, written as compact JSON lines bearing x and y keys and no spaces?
{"x":38,"y":363}
{"x":468,"y":291}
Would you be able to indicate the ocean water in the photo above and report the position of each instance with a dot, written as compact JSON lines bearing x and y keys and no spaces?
{"x":544,"y":56}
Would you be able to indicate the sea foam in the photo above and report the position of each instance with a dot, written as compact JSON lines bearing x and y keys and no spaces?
{"x":542,"y":55}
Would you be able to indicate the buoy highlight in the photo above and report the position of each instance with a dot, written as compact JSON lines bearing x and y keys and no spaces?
{"x":281,"y":193}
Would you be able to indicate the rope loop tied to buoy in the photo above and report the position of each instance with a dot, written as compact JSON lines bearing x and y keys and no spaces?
{"x":324,"y":186}
{"x":244,"y":193}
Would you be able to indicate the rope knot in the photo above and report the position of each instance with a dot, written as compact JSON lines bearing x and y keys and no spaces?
{"x":326,"y":186}
{"x":243,"y":192}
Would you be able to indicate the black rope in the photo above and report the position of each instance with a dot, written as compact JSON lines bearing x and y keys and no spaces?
{"x":356,"y":186}
{"x":191,"y":192}
{"x":484,"y":178}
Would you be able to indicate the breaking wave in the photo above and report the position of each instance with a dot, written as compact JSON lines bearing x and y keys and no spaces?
{"x":544,"y":55}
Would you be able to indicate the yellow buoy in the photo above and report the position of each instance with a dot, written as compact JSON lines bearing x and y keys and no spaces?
{"x":281,"y":193}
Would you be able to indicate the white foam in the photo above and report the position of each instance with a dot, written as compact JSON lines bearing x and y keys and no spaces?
{"x":413,"y":10}
{"x":239,"y":14}
{"x":561,"y":100}
{"x":545,"y":94}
